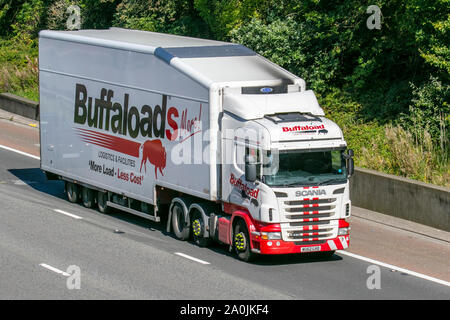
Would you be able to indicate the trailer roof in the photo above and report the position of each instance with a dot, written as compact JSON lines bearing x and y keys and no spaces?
{"x":206,"y":61}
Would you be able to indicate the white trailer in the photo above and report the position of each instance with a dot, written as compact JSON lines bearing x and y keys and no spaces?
{"x":231,"y":144}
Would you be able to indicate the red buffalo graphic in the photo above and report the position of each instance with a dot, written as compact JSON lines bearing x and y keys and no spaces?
{"x":154,"y":152}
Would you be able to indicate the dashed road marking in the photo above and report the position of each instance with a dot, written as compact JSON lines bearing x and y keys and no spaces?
{"x":68,"y":214}
{"x":191,"y":258}
{"x":48,"y":267}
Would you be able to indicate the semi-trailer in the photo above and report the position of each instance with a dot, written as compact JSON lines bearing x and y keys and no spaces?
{"x":228,"y":145}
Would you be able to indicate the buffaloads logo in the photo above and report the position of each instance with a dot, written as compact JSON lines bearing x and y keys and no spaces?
{"x":158,"y":122}
{"x":104,"y":114}
{"x":238,"y":183}
{"x":305,"y":128}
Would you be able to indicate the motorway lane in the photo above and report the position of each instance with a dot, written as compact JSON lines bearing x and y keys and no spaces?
{"x":400,"y":242}
{"x":21,"y":134}
{"x":132,"y":265}
{"x":140,"y":262}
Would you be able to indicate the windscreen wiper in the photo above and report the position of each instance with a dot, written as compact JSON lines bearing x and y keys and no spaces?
{"x":330,"y":180}
{"x":299,"y":184}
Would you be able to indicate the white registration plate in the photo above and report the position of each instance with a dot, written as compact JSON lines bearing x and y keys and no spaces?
{"x":310,"y":249}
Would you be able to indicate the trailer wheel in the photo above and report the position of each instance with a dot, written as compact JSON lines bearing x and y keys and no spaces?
{"x":87,"y":197}
{"x":198,"y":230}
{"x":102,"y":198}
{"x":73,"y":192}
{"x":178,"y":222}
{"x":241,"y":242}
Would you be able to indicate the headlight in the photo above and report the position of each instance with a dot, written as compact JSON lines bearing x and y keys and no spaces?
{"x":343,"y":231}
{"x":271,"y":235}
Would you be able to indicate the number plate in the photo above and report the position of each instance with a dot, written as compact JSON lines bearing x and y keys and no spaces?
{"x":310,"y":249}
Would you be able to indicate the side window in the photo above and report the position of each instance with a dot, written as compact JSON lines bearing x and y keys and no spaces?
{"x":240,"y":155}
{"x":241,"y":151}
{"x":252,"y":151}
{"x":336,"y":161}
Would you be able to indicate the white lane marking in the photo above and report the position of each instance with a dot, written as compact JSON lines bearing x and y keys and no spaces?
{"x":390,"y":266}
{"x":46,"y":266}
{"x":67,"y":214}
{"x":191,"y":258}
{"x":20,"y":152}
{"x":23,"y":182}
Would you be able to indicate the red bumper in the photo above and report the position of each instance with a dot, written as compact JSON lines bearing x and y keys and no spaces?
{"x":286,"y":247}
{"x":264,"y":246}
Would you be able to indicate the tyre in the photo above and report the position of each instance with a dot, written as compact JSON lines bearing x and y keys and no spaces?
{"x":198,"y":229}
{"x":87,"y":197}
{"x":73,"y":192}
{"x":102,"y":198}
{"x":179,"y":226}
{"x":241,"y":242}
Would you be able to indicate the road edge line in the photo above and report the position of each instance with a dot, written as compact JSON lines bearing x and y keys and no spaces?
{"x":20,"y":152}
{"x":390,"y":266}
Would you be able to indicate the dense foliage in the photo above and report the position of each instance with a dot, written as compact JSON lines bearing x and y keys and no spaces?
{"x":386,"y":86}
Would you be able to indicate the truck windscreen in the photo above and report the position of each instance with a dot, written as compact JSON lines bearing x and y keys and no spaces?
{"x":303,"y":168}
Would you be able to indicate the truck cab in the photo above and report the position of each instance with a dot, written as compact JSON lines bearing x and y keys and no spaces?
{"x":285,"y":172}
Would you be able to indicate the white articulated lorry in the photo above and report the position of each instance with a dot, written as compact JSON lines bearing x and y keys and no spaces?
{"x":230,"y":146}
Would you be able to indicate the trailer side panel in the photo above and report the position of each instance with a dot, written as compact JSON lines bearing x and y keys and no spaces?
{"x":121,"y":120}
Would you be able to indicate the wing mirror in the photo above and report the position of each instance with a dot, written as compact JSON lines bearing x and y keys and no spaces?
{"x":350,"y":162}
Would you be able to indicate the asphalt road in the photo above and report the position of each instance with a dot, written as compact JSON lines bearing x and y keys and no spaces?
{"x":120,"y":256}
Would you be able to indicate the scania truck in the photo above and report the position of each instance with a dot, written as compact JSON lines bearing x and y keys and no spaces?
{"x":221,"y":142}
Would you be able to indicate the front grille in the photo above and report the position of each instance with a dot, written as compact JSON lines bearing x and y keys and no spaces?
{"x":309,"y":220}
{"x":310,"y":235}
{"x":308,"y":223}
{"x":309,"y":201}
{"x":303,"y":216}
{"x":312,"y":207}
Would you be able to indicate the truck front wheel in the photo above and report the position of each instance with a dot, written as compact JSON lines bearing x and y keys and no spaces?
{"x":241,"y":242}
{"x":198,"y":229}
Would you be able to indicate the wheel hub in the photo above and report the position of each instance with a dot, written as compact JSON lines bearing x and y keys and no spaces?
{"x":239,"y":241}
{"x":196,"y":227}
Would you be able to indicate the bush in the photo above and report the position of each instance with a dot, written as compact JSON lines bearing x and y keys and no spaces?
{"x":57,"y":15}
{"x":430,"y":111}
{"x":386,"y":147}
{"x":19,"y":68}
{"x":171,"y":16}
{"x":278,"y":41}
{"x":387,"y":89}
